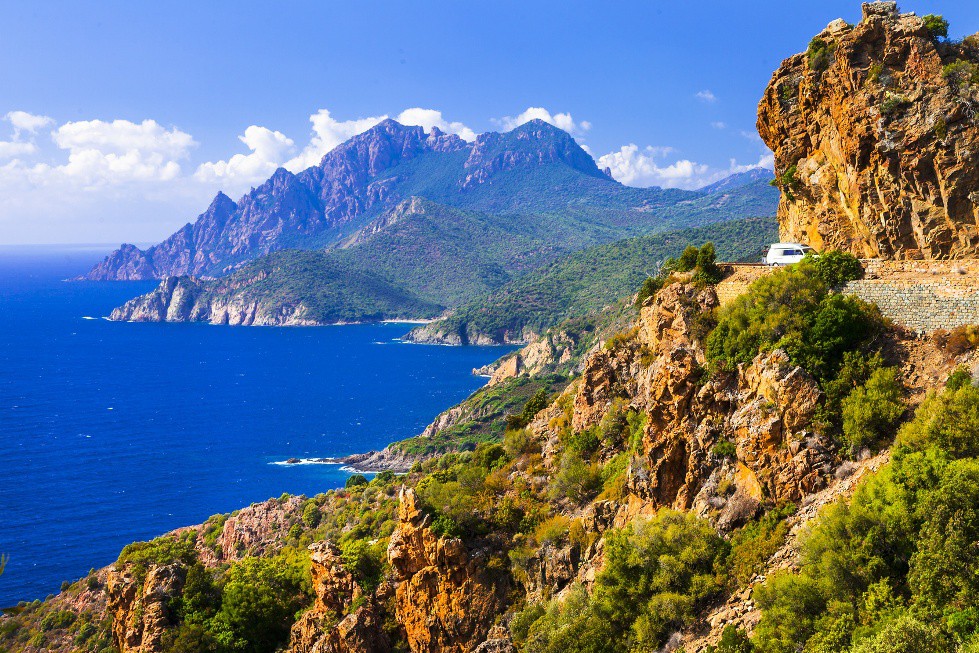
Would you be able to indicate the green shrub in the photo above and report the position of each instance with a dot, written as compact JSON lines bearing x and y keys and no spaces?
{"x":836,"y":268}
{"x":873,"y":409}
{"x":733,"y":640}
{"x":576,"y":479}
{"x":688,"y":260}
{"x":649,"y":288}
{"x":365,"y":561}
{"x":754,"y":543}
{"x":725,"y":449}
{"x":892,"y":102}
{"x":937,"y":25}
{"x":520,"y":442}
{"x":707,"y":269}
{"x":792,"y":309}
{"x":819,"y":54}
{"x":657,"y":573}
{"x":259,"y":602}
{"x":355,"y":480}
{"x":961,"y":376}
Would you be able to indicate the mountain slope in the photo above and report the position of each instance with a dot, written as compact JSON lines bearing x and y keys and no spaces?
{"x":587,"y":281}
{"x":533,"y":170}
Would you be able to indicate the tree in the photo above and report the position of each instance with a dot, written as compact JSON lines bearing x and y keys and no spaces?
{"x":873,"y":409}
{"x":937,"y":25}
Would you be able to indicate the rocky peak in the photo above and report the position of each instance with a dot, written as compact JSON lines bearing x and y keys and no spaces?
{"x":534,"y":143}
{"x":875,"y":135}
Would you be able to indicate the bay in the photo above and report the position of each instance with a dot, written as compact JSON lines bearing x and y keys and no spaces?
{"x":116,"y":432}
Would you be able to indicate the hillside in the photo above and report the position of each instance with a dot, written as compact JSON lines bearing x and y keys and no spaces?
{"x":585,"y":282}
{"x":660,"y":450}
{"x":423,"y":257}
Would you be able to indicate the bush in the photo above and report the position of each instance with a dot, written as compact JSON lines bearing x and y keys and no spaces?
{"x":355,"y":480}
{"x":792,"y":309}
{"x":872,"y":410}
{"x":657,"y":573}
{"x":961,"y":376}
{"x":961,"y":74}
{"x":365,"y":561}
{"x":520,"y":442}
{"x":819,"y":54}
{"x":688,"y":260}
{"x":733,"y":640}
{"x":649,"y":288}
{"x":707,"y":268}
{"x":836,"y":268}
{"x":958,"y":341}
{"x":937,"y":25}
{"x":260,"y":599}
{"x":576,"y":479}
{"x":725,"y":449}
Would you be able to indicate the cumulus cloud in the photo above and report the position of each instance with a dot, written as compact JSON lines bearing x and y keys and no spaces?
{"x":123,"y":136}
{"x":718,"y":125}
{"x":644,"y":167}
{"x":560,"y":120}
{"x":429,"y":118}
{"x":706,"y":95}
{"x":27,"y":122}
{"x":640,"y":167}
{"x":267,"y":151}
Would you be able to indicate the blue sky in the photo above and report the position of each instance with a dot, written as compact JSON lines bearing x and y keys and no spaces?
{"x":123,"y":118}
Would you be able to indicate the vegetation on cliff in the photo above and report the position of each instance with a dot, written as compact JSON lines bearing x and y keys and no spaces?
{"x":589,"y":280}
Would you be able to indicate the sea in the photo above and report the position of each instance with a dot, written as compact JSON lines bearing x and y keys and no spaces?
{"x":116,"y":432}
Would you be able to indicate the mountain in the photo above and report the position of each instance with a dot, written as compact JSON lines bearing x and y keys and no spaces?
{"x":536,"y":174}
{"x":395,"y":223}
{"x":737,"y":180}
{"x":586,"y":281}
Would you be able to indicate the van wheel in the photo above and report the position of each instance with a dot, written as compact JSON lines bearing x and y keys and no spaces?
{"x":775,"y":265}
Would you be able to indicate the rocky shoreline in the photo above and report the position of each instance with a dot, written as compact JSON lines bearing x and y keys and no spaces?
{"x":371,"y":462}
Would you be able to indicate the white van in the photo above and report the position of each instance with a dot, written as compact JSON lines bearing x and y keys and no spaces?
{"x":786,"y":253}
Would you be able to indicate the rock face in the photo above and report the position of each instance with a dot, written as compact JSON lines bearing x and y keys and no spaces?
{"x":352,"y":184}
{"x":445,"y":599}
{"x":325,"y":629}
{"x":139,"y":606}
{"x":765,"y":409}
{"x":876,"y":139}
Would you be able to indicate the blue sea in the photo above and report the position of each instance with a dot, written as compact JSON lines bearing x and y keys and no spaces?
{"x":115,"y":432}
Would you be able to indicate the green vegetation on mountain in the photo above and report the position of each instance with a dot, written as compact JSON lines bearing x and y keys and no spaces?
{"x":330,"y":289}
{"x":591,"y":279}
{"x":894,"y":568}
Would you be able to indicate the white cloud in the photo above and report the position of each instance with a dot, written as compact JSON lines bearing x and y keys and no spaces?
{"x":706,"y":95}
{"x":27,"y":122}
{"x":123,"y":137}
{"x":560,"y":120}
{"x":268,"y":150}
{"x":633,"y":166}
{"x":428,"y":118}
{"x":11,"y":149}
{"x":718,"y":125}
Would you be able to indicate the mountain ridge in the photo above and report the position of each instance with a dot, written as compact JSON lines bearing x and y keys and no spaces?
{"x":368,"y":174}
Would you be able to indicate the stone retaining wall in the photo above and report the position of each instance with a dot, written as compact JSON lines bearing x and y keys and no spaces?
{"x":919,"y":295}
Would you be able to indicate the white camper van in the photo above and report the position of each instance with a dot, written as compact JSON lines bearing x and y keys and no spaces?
{"x":786,"y":253}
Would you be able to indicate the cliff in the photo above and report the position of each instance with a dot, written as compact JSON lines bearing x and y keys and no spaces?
{"x":874,"y":134}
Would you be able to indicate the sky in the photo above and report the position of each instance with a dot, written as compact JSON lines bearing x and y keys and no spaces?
{"x":119,"y":121}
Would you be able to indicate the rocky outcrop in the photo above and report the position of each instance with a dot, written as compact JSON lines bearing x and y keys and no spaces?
{"x":331,"y":626}
{"x":445,"y":600}
{"x":875,"y":135}
{"x":186,"y":299}
{"x":765,"y":409}
{"x":139,"y":604}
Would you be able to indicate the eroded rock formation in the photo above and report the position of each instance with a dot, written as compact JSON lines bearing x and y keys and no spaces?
{"x":876,"y":139}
